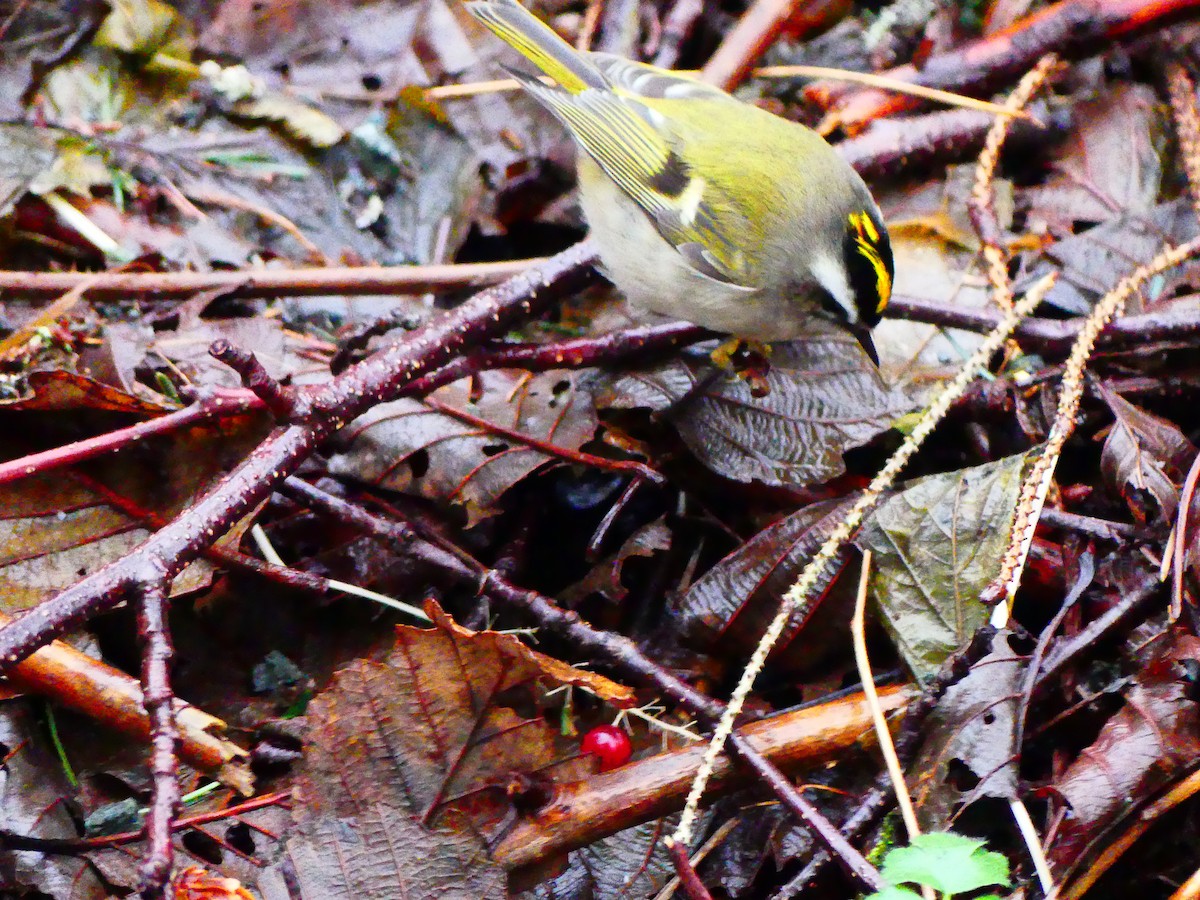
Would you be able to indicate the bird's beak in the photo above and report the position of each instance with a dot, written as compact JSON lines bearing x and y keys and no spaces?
{"x":862,"y":334}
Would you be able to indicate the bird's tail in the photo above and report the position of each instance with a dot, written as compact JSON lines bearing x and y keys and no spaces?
{"x":537,"y":42}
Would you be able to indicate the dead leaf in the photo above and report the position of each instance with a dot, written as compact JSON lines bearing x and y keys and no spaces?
{"x":735,"y":600}
{"x":1111,"y":163}
{"x":825,"y":398}
{"x":1092,"y":262}
{"x":434,"y":729}
{"x":378,"y":854}
{"x":55,"y":529}
{"x":968,"y":749}
{"x":1152,"y":739}
{"x":1146,"y":454}
{"x":66,"y":391}
{"x":407,"y":445}
{"x":35,"y":801}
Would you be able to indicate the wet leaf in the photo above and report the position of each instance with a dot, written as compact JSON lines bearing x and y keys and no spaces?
{"x":408,"y":445}
{"x":937,"y":544}
{"x":1149,"y":742}
{"x":434,"y":727}
{"x":1092,"y":262}
{"x":65,"y":391}
{"x":34,"y":801}
{"x":1111,"y":163}
{"x":825,"y":398}
{"x":630,"y":863}
{"x":735,"y":600}
{"x":1144,"y":455}
{"x":380,"y":853}
{"x":55,"y":529}
{"x":406,"y":176}
{"x":968,"y":749}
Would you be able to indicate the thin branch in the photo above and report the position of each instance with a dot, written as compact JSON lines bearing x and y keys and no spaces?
{"x":375,"y":380}
{"x":157,"y":653}
{"x":266,"y":282}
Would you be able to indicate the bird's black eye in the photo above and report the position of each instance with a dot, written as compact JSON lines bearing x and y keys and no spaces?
{"x":868,"y":256}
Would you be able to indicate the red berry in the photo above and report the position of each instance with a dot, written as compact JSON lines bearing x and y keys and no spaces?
{"x":609,"y":744}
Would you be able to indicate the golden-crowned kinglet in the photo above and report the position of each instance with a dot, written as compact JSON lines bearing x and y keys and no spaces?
{"x":705,"y":208}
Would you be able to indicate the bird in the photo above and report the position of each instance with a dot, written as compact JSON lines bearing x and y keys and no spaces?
{"x":702,"y":207}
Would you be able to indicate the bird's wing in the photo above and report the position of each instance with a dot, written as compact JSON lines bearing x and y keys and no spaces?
{"x":631,"y":143}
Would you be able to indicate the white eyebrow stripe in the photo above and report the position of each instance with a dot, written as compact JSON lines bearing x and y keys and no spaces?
{"x":832,"y":276}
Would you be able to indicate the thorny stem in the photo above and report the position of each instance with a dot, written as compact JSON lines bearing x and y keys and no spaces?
{"x":377,"y":379}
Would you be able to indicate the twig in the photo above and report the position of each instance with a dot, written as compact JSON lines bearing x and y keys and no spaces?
{"x":157,"y":653}
{"x":281,"y":401}
{"x":210,"y":404}
{"x":266,"y":282}
{"x":377,"y":379}
{"x":1176,"y":553}
{"x":641,"y":470}
{"x":582,"y":812}
{"x":1070,"y":28}
{"x":88,"y":686}
{"x":797,"y":595}
{"x":677,"y":26}
{"x":69,"y":847}
{"x":849,"y":76}
{"x":867,"y":678}
{"x":1113,"y":850}
{"x":1005,"y":112}
{"x":1055,"y":336}
{"x":617,"y":650}
{"x":711,"y":844}
{"x":693,"y":887}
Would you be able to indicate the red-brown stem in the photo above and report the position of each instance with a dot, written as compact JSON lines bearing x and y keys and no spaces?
{"x":641,"y":470}
{"x":214,"y":403}
{"x":280,"y":400}
{"x":159,"y":699}
{"x":267,"y":282}
{"x":689,"y":881}
{"x":73,"y":847}
{"x":375,"y":380}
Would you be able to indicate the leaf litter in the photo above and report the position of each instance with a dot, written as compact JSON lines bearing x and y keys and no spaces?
{"x":271,"y":136}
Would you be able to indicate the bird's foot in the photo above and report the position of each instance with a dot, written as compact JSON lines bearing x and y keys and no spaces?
{"x":749,"y":360}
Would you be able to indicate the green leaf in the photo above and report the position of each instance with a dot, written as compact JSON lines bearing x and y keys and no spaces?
{"x":937,"y":545}
{"x":894,"y":893}
{"x":947,"y":862}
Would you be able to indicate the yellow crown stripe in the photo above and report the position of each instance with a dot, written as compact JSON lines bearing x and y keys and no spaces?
{"x":883,"y":281}
{"x":532,"y":46}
